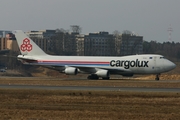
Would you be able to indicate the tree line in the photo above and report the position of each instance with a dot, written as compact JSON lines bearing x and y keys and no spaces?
{"x":170,"y":50}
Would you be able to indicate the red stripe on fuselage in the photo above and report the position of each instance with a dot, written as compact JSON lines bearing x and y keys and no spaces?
{"x":82,"y":62}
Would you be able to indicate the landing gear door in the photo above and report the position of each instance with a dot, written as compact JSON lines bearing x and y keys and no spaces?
{"x":156,"y":67}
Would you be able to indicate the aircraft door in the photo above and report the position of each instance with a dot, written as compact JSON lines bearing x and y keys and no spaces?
{"x":156,"y":67}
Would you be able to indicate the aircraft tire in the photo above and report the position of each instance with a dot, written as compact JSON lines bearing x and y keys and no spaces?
{"x":93,"y":77}
{"x":105,"y":78}
{"x":157,"y":77}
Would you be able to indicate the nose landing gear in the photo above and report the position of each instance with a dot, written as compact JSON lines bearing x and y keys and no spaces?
{"x":157,"y":77}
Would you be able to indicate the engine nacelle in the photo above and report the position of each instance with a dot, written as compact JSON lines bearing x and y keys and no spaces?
{"x":71,"y":71}
{"x":102,"y":73}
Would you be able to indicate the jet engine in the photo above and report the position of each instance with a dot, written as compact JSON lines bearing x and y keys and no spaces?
{"x":102,"y":73}
{"x":71,"y":71}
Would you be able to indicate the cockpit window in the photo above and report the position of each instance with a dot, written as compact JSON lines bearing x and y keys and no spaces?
{"x":162,"y":58}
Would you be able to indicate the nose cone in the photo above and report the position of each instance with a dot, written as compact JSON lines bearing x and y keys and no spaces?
{"x":170,"y":65}
{"x":173,"y":65}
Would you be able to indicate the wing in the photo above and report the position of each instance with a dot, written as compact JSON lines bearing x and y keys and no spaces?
{"x":91,"y":69}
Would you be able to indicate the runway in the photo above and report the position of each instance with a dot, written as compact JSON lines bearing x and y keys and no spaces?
{"x":90,"y":88}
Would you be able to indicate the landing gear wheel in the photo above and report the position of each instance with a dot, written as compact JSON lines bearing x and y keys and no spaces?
{"x":93,"y":77}
{"x":105,"y":78}
{"x":157,"y":77}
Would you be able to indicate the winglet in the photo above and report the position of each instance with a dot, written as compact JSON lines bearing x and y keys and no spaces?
{"x":26,"y":45}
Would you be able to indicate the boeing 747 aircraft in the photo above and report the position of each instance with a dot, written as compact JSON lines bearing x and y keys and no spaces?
{"x":97,"y":67}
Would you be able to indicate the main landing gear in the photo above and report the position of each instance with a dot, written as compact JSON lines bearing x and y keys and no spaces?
{"x":105,"y":78}
{"x":95,"y":77}
{"x":157,"y":77}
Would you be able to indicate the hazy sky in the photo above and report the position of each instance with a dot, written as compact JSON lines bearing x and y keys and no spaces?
{"x":149,"y":18}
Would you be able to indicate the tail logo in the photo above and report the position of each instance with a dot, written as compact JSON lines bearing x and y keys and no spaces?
{"x":26,"y":46}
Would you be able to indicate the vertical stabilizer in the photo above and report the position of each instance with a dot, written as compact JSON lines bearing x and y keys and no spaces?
{"x":26,"y":45}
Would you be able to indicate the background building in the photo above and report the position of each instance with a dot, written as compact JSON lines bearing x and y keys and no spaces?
{"x":42,"y":38}
{"x":3,"y":39}
{"x":99,"y":44}
{"x":42,"y":43}
{"x":131,"y":44}
{"x":80,"y":45}
{"x":94,"y":44}
{"x":71,"y":44}
{"x":9,"y":43}
{"x":63,"y":43}
{"x":3,"y":33}
{"x":41,"y":33}
{"x":3,"y":43}
{"x":56,"y":41}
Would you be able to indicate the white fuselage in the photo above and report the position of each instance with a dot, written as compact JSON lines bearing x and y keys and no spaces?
{"x":136,"y":64}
